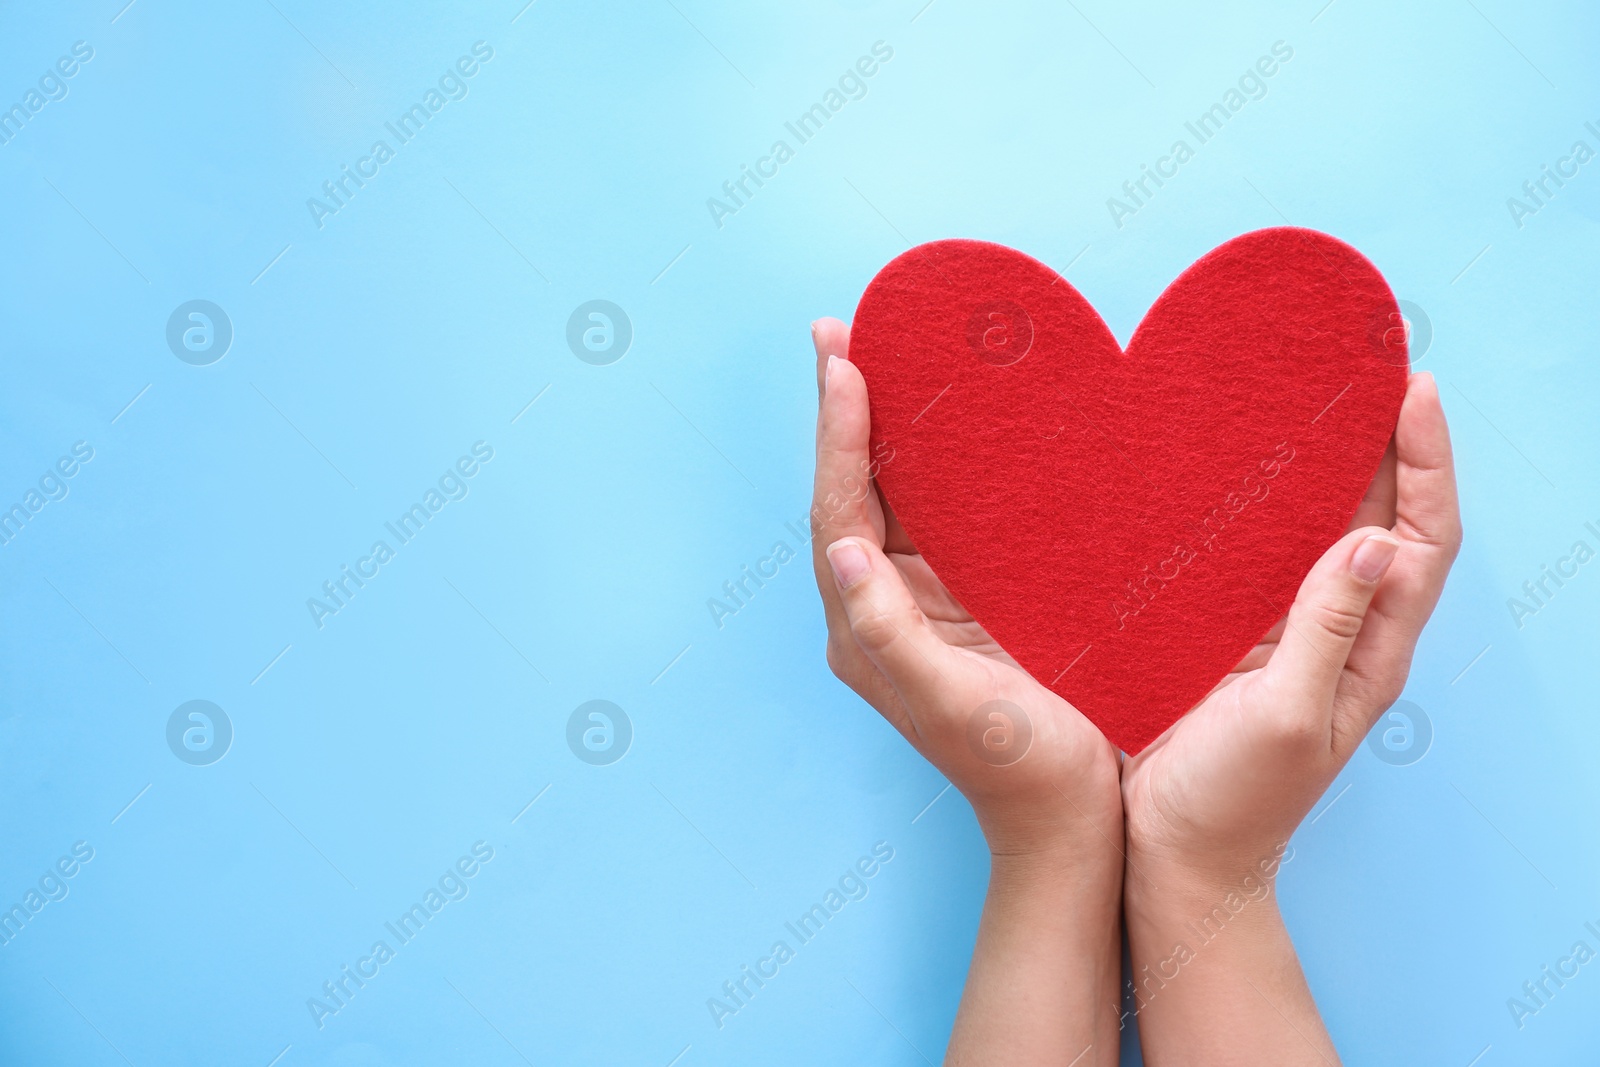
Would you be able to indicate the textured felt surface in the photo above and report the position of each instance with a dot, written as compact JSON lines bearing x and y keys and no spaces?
{"x":1127,"y":524}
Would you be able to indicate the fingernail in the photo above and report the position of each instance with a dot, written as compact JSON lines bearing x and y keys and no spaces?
{"x":849,"y":563}
{"x":814,"y":328}
{"x":827,"y":374}
{"x":1373,"y":556}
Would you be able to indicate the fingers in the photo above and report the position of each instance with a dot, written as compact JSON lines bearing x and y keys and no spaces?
{"x":842,"y":500}
{"x":1304,"y":672}
{"x":1428,"y":526}
{"x":886,"y":623}
{"x":842,"y":496}
{"x":1377,"y":507}
{"x":831,"y":338}
{"x":1427,"y":511}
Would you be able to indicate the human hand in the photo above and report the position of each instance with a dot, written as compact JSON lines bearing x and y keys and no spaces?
{"x":1042,"y":988}
{"x":906,"y":646}
{"x":1211,"y":804}
{"x":1228,"y":783}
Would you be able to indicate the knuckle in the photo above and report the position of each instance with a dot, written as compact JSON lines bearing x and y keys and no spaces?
{"x":839,"y":497}
{"x":1440,"y":534}
{"x":1294,"y":729}
{"x":1340,"y":617}
{"x":876,"y":631}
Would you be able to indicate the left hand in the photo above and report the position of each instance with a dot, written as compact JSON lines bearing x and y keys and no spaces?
{"x":1224,"y":787}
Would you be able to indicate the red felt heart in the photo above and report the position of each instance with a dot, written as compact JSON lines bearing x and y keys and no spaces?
{"x":1127,"y":524}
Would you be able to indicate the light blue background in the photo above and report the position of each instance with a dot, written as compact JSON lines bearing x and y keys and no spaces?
{"x":377,"y":349}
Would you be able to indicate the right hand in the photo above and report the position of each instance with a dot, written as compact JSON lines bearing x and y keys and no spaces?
{"x":899,"y":639}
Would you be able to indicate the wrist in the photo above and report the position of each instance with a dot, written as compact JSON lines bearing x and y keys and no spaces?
{"x":1068,"y":837}
{"x":1069,"y":900}
{"x":1214,"y":975}
{"x":1162,"y":888}
{"x":1060,"y":816}
{"x":1079,"y":867}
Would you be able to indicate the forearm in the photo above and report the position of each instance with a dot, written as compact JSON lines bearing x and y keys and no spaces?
{"x":1043,"y":984}
{"x":1216,"y":978}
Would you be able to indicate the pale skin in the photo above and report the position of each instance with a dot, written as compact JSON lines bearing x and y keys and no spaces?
{"x":1082,"y":841}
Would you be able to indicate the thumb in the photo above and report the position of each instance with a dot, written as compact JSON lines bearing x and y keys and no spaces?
{"x":886,"y":622}
{"x":1326,"y":617}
